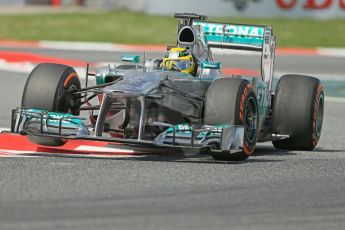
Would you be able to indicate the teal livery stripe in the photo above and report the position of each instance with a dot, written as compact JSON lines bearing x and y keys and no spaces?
{"x":232,"y":34}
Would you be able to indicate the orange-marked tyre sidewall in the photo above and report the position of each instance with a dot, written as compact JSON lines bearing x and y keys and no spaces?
{"x":317,"y":98}
{"x":69,"y":79}
{"x":248,"y":91}
{"x":68,"y":83}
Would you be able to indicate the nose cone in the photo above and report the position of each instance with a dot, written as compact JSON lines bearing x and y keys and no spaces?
{"x":136,"y":83}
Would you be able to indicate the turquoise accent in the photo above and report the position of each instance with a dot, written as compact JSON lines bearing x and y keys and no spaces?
{"x":186,"y":131}
{"x":52,"y":118}
{"x":232,"y":34}
{"x":99,"y":80}
{"x":210,"y":65}
{"x":131,"y":58}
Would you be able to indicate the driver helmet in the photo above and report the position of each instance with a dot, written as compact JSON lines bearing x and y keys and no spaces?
{"x":179,"y":59}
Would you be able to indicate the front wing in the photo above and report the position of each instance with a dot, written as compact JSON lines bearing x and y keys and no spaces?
{"x":44,"y":129}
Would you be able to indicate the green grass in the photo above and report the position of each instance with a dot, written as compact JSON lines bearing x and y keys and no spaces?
{"x":137,"y":28}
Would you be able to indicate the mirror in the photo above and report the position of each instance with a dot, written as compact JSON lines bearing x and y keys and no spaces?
{"x":210,"y":65}
{"x":131,"y":58}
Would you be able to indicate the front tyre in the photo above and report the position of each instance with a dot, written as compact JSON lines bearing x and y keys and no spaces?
{"x":51,"y":87}
{"x":233,"y":101}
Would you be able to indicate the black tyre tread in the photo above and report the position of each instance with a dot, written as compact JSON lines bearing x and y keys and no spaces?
{"x":44,"y":88}
{"x":293,"y":110}
{"x":223,"y":91}
{"x":222,"y":105}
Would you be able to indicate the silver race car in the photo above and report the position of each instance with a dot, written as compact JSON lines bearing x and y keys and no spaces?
{"x":180,"y":103}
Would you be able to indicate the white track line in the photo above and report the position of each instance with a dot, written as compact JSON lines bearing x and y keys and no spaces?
{"x":4,"y":129}
{"x":6,"y":153}
{"x":14,"y":151}
{"x":18,"y":67}
{"x":86,"y":46}
{"x":332,"y":52}
{"x":27,"y":67}
{"x":96,"y":149}
{"x":335,"y":99}
{"x":78,"y":155}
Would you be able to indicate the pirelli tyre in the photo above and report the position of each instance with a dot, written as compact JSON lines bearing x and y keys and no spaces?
{"x":233,"y":101}
{"x":298,"y":112}
{"x":50,"y":87}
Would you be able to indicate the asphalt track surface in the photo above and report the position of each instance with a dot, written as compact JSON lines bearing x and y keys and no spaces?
{"x":271,"y":190}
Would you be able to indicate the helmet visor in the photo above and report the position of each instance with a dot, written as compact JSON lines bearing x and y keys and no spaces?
{"x":173,"y":55}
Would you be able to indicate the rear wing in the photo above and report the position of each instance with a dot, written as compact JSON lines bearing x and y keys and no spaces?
{"x":233,"y":36}
{"x":230,"y":36}
{"x":243,"y":37}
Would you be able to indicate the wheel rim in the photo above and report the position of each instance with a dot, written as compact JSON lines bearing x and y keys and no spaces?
{"x":214,"y":145}
{"x":250,"y":122}
{"x":319,"y":116}
{"x":71,"y":101}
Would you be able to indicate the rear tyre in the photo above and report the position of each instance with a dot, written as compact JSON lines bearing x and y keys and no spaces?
{"x":50,"y":87}
{"x":298,"y":111}
{"x":233,"y":101}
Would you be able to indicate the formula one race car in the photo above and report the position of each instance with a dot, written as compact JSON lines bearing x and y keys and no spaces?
{"x":180,"y":103}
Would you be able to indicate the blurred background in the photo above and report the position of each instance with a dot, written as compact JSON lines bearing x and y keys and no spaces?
{"x":245,"y":8}
{"x":297,"y":23}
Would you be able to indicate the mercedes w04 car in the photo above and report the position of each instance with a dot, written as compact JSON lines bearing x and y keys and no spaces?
{"x":180,"y":103}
